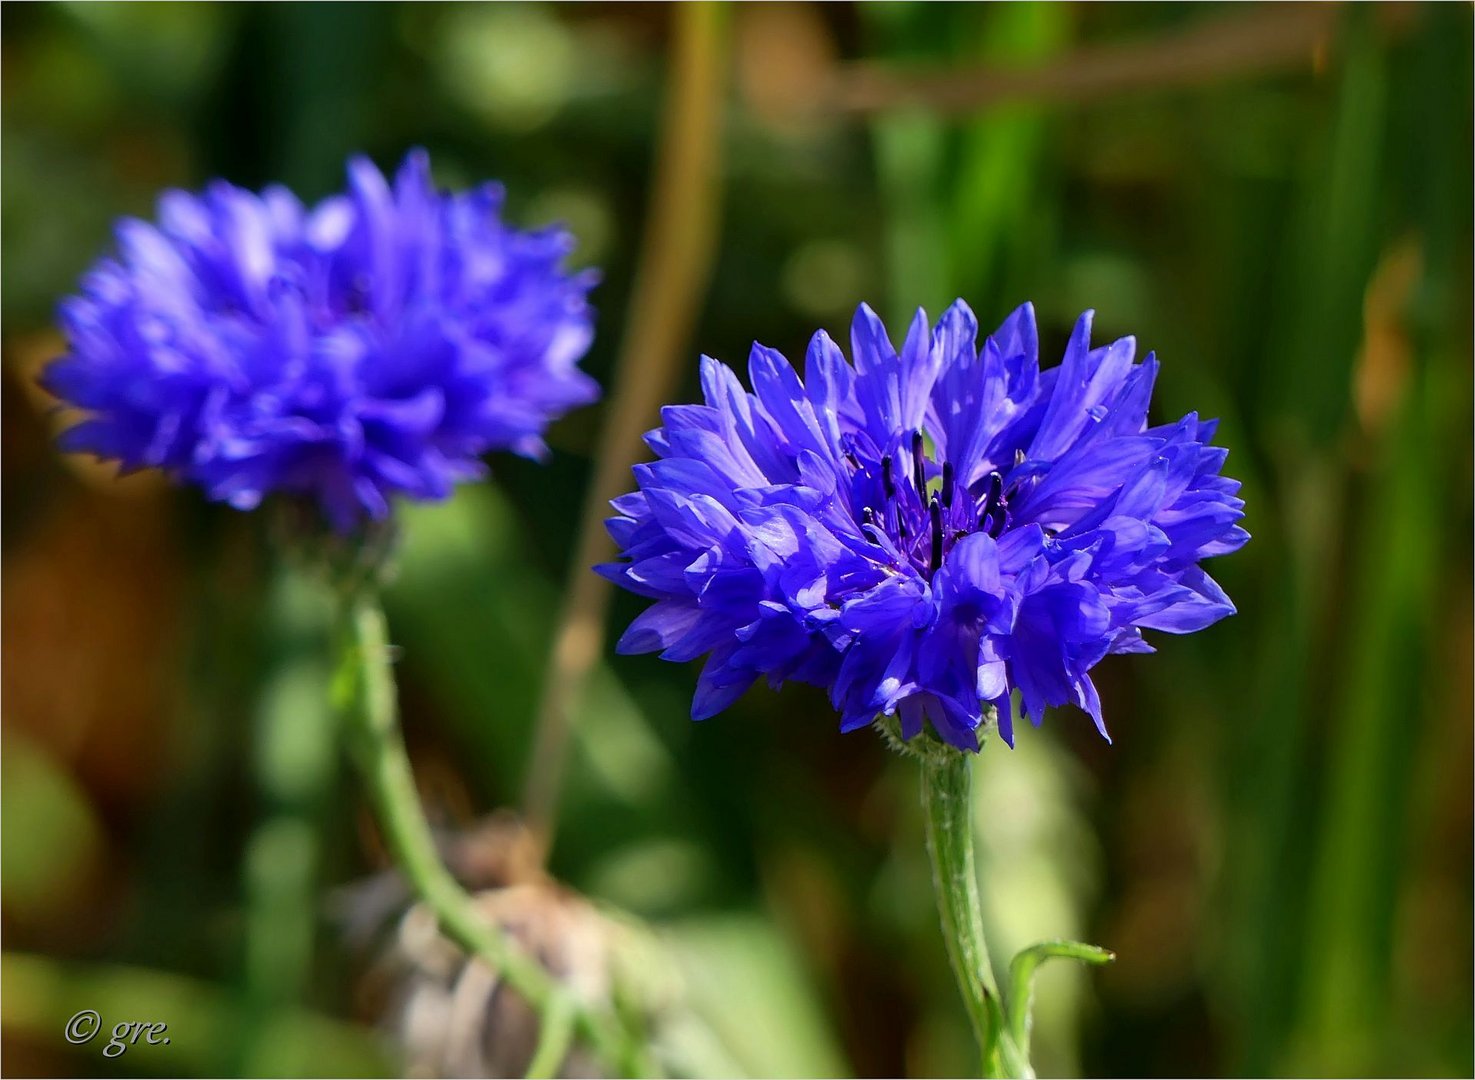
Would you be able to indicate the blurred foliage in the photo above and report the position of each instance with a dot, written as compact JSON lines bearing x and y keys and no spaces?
{"x":1278,"y":845}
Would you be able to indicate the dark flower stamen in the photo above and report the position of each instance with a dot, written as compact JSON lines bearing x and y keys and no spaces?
{"x":934,"y":508}
{"x":995,"y":506}
{"x":994,"y":489}
{"x":887,"y":483}
{"x":947,"y":483}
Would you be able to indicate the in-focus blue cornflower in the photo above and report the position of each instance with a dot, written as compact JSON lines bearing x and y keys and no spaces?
{"x":373,"y":345}
{"x":927,"y":531}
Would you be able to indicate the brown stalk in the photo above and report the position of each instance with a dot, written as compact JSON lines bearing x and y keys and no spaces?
{"x":1271,"y":37}
{"x":670,"y":282}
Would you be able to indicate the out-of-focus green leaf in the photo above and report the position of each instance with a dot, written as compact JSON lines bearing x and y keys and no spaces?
{"x":164,"y":50}
{"x":50,"y":831}
{"x":1384,"y":707}
{"x":474,"y":616}
{"x":1305,"y":389}
{"x":744,"y":980}
{"x":1000,"y":217}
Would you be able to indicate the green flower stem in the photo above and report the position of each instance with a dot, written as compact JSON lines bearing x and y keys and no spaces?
{"x":366,"y":694}
{"x":947,"y":782}
{"x":553,"y":1041}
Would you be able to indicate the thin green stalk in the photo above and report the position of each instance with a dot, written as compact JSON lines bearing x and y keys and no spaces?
{"x":365,"y":691}
{"x":553,"y":1041}
{"x":947,"y":782}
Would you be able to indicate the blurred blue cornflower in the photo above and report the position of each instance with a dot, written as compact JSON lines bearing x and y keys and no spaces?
{"x":925,"y":532}
{"x":373,"y":345}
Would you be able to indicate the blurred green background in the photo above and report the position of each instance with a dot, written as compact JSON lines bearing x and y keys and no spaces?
{"x":1277,"y":199}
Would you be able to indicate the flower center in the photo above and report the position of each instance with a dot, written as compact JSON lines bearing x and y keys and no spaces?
{"x":924,"y":522}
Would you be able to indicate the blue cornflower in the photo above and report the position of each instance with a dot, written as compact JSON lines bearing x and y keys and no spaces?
{"x":372,"y":345}
{"x":925,"y":532}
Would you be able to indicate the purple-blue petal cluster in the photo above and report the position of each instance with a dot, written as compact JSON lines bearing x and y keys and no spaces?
{"x":373,"y":345}
{"x":927,"y":531}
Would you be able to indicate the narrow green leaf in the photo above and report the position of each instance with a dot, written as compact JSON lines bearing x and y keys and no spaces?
{"x":1022,"y":977}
